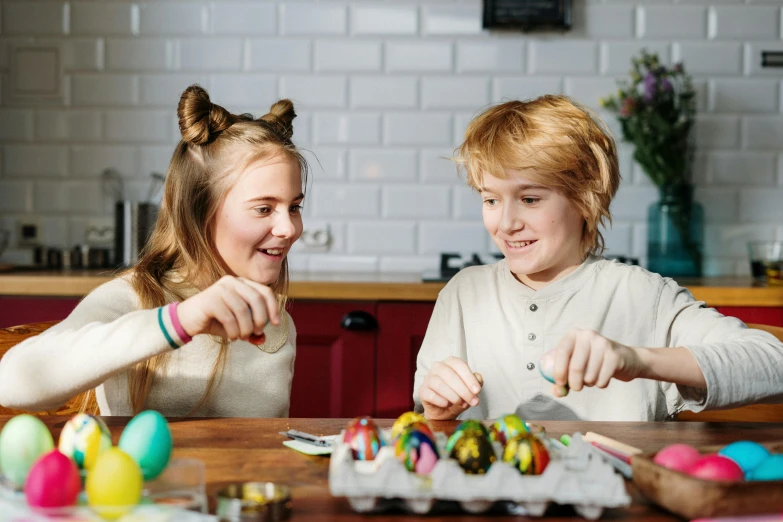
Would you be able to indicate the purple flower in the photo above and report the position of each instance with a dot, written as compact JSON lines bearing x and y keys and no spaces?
{"x":666,"y":85}
{"x":650,"y":86}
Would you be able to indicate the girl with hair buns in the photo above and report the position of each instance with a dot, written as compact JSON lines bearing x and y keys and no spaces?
{"x":198,"y":325}
{"x":630,"y":344}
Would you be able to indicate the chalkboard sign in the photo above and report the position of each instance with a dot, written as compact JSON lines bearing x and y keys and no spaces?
{"x":527,"y":14}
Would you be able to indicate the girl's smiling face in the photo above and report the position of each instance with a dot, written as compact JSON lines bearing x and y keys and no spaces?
{"x":537,"y":229}
{"x":260,"y":218}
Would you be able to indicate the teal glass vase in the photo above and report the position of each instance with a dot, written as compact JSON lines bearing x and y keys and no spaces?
{"x":675,"y":233}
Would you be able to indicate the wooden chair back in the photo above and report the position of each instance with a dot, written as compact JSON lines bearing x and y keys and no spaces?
{"x":14,"y":335}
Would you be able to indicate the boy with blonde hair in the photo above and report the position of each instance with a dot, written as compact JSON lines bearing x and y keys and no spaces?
{"x":631,"y":345}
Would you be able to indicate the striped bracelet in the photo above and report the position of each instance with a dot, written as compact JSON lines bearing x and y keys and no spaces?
{"x":183,"y":335}
{"x":164,"y":330}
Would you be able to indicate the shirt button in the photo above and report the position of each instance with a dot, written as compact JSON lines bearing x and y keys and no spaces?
{"x":530,"y":366}
{"x":531,"y":337}
{"x":533,"y":307}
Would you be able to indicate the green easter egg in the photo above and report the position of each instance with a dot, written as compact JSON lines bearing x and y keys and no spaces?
{"x":23,"y":439}
{"x":147,"y":439}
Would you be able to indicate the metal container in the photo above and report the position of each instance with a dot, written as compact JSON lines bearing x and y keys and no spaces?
{"x":134,"y":223}
{"x":254,"y":502}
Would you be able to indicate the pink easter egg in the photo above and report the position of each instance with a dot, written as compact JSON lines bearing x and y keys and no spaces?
{"x":716,"y":467}
{"x":679,"y":457}
{"x":53,"y":482}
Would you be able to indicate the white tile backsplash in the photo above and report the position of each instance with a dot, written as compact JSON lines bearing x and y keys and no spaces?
{"x":209,"y":55}
{"x":745,"y":95}
{"x":89,"y":161}
{"x":383,"y":92}
{"x":23,"y":17}
{"x":100,"y":90}
{"x":452,"y":19}
{"x":490,"y":56}
{"x":382,"y":237}
{"x":16,"y":125}
{"x":103,"y":18}
{"x":382,"y":165}
{"x":413,"y":128}
{"x":703,"y":58}
{"x":399,"y":92}
{"x":347,"y":55}
{"x":278,"y":55}
{"x":312,"y":18}
{"x":563,"y":56}
{"x":744,"y":22}
{"x":35,"y":160}
{"x":256,"y":18}
{"x":164,"y":18}
{"x":154,"y":54}
{"x":389,"y":19}
{"x":416,"y":201}
{"x":419,"y":56}
{"x":672,"y":21}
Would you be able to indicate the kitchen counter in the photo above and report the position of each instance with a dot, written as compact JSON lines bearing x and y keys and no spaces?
{"x":716,"y":291}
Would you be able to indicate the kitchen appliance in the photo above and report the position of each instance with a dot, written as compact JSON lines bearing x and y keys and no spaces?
{"x":133,"y":224}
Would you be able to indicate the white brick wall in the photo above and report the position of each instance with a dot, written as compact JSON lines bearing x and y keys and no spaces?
{"x":384,"y":91}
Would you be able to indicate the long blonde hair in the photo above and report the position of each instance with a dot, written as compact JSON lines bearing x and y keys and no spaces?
{"x":557,"y":142}
{"x":180,"y":256}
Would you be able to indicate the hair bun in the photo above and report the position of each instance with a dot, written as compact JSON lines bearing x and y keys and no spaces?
{"x":281,"y":118}
{"x":200,"y":119}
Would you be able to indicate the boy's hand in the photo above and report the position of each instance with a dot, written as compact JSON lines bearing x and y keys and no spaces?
{"x":586,"y":358}
{"x":448,"y":389}
{"x":233,"y":307}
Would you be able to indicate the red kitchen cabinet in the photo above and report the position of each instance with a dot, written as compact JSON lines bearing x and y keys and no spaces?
{"x":334,"y":372}
{"x":401,"y":332}
{"x":23,"y":310}
{"x":754,"y":314}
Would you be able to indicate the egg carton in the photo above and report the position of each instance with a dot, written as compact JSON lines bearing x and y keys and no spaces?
{"x":575,"y":476}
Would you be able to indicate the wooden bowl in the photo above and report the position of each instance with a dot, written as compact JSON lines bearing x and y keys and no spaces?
{"x":692,"y":497}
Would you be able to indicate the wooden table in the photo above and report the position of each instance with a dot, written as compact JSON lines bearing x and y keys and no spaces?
{"x":251,"y":450}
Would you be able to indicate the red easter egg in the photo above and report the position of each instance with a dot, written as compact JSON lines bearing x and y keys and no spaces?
{"x":364,"y":437}
{"x":716,"y":467}
{"x":679,"y":457}
{"x":53,"y":482}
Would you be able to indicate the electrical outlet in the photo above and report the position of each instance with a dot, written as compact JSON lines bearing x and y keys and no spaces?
{"x":29,"y":232}
{"x":316,"y":239}
{"x":99,"y":231}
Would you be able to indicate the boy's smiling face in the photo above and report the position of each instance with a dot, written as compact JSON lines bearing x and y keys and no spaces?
{"x":537,"y":229}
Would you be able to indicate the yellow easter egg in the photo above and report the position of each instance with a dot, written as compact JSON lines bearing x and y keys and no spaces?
{"x":114,"y":484}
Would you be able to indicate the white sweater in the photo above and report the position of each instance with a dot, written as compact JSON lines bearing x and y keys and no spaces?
{"x":501,"y":327}
{"x":108,"y":333}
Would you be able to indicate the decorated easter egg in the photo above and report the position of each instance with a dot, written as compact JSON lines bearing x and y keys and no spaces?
{"x":364,"y":437}
{"x":147,"y":438}
{"x":506,"y":427}
{"x":770,"y":468}
{"x":747,"y":454}
{"x":679,"y":457}
{"x":114,"y":484}
{"x":53,"y":482}
{"x":23,"y":439}
{"x":405,"y":420}
{"x":474,"y":452}
{"x":716,"y":467}
{"x":416,"y":449}
{"x":463,"y":428}
{"x":527,"y":453}
{"x":546,"y":366}
{"x":84,"y":437}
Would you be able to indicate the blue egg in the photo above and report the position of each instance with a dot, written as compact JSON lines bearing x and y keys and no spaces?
{"x":747,"y":454}
{"x":770,"y":468}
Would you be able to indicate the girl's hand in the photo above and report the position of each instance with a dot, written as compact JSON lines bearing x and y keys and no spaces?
{"x":233,"y":307}
{"x":449,"y":389}
{"x":586,"y":358}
